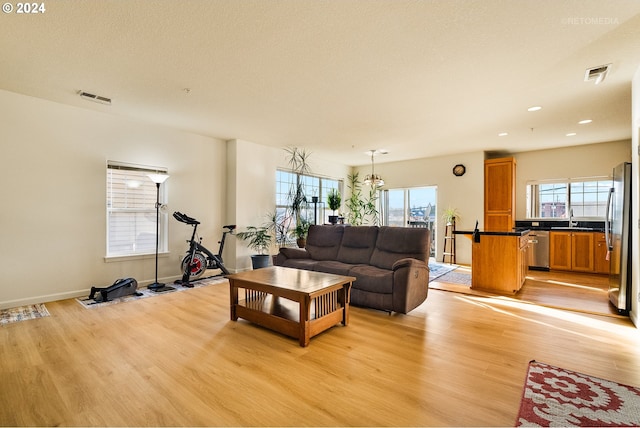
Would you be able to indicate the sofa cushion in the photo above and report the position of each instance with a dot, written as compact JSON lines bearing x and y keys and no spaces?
{"x":323,"y":242}
{"x":373,"y":279}
{"x":334,"y":267}
{"x":357,"y":244}
{"x":395,"y":243}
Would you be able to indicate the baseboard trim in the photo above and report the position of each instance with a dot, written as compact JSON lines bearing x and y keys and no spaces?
{"x":46,"y":298}
{"x":43,"y":299}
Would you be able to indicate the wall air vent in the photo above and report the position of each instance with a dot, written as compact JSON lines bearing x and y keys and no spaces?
{"x":597,"y":73}
{"x":95,"y":98}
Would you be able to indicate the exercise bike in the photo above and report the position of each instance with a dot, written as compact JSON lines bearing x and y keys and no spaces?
{"x":198,"y":258}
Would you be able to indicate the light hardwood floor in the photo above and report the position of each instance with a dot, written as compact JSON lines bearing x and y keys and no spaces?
{"x":177,"y":360}
{"x":581,"y":292}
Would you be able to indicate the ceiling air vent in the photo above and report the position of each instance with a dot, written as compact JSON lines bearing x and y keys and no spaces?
{"x":95,"y":98}
{"x":597,"y":73}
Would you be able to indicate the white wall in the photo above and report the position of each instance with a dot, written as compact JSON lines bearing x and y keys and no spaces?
{"x":53,"y":175}
{"x":251,"y":189}
{"x":635,"y":198}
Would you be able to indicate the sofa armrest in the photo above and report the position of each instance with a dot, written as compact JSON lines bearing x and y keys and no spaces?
{"x":294,"y":253}
{"x":410,"y":284}
{"x":410,"y":263}
{"x":286,"y":253}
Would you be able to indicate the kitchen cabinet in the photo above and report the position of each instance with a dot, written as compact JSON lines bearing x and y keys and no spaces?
{"x":499,"y":261}
{"x":523,"y":259}
{"x":573,"y":251}
{"x":601,"y":264}
{"x":499,"y":193}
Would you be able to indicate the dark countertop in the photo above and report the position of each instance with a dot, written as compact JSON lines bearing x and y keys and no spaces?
{"x":512,"y":232}
{"x":560,"y":225}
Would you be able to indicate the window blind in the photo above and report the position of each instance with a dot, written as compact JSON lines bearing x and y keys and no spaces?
{"x":131,"y":210}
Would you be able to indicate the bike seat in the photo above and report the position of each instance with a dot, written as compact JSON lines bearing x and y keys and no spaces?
{"x":183,"y":218}
{"x":230,"y":226}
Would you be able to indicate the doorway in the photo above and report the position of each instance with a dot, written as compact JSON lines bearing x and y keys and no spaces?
{"x":411,"y":207}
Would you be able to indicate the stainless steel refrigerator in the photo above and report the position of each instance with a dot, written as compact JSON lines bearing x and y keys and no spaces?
{"x":618,"y":235}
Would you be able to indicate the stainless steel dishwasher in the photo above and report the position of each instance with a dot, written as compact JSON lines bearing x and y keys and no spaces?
{"x":539,"y":251}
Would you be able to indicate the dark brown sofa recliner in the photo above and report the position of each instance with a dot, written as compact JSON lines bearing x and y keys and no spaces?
{"x":391,"y":264}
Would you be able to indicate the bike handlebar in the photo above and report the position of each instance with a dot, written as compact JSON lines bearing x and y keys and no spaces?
{"x":183,"y":218}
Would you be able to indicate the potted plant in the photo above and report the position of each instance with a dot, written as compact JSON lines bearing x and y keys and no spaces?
{"x":258,"y":239}
{"x":449,"y":215}
{"x":300,"y":233}
{"x":334,"y":200}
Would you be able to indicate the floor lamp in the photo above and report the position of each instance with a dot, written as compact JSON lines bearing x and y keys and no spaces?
{"x":158,"y":179}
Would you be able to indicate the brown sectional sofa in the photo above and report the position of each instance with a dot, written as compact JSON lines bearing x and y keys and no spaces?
{"x":391,"y":264}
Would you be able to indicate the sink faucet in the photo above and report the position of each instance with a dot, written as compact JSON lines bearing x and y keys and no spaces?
{"x":571,"y":222}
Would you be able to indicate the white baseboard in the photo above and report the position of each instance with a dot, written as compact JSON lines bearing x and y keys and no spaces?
{"x":7,"y":304}
{"x":634,"y":318}
{"x":43,"y":299}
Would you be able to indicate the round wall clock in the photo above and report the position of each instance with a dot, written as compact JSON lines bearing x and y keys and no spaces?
{"x":459,"y":170}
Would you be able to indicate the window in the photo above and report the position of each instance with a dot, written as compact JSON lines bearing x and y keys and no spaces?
{"x":413,"y":207}
{"x":586,"y":197}
{"x":131,"y":210}
{"x":287,"y":181}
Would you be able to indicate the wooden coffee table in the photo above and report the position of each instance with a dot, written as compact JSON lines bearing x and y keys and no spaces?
{"x":294,"y":302}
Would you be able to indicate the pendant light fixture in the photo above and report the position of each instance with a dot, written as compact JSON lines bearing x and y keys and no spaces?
{"x":374,"y":179}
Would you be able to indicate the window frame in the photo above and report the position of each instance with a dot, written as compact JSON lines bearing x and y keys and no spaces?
{"x":315,"y":185}
{"x":148,"y":191}
{"x":533,"y":200}
{"x":407,"y":221}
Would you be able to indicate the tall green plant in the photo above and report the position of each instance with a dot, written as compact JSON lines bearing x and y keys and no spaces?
{"x":298,"y":160}
{"x":277,"y":226}
{"x":355,"y":205}
{"x":371,"y":206}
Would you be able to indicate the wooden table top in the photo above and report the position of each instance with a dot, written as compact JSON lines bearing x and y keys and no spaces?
{"x":299,"y":280}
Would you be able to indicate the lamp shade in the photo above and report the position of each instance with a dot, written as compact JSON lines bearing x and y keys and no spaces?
{"x":158,"y":178}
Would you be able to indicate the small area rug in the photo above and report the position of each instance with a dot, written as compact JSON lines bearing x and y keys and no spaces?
{"x":457,"y":277}
{"x":23,"y":313}
{"x":437,"y":269}
{"x":143,"y":293}
{"x":555,"y":397}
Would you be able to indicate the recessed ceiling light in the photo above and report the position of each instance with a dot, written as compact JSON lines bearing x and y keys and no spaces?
{"x":584,"y":122}
{"x":534,"y":108}
{"x":503,"y":134}
{"x":571,"y":134}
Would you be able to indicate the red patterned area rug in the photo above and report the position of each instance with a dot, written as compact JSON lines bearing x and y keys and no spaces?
{"x":555,"y":397}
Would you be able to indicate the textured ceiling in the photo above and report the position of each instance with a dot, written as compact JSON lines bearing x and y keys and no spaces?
{"x":417,"y":78}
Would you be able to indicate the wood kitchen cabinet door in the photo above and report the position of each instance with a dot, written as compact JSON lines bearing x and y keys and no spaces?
{"x":572,"y":251}
{"x":601,"y":264}
{"x":499,"y":193}
{"x":582,"y":252}
{"x":560,"y":250}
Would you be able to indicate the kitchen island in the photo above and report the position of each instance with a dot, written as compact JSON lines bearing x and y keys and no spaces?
{"x":499,"y":259}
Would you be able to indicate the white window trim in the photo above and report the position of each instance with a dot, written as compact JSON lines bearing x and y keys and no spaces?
{"x":164,"y":227}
